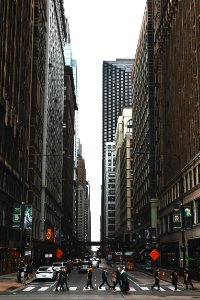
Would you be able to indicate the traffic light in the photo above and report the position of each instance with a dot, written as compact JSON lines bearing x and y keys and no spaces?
{"x":187,"y":214}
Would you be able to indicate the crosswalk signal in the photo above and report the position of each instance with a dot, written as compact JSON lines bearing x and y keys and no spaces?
{"x":187,"y":214}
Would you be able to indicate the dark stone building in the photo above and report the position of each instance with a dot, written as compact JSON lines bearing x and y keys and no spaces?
{"x":16,"y":59}
{"x":68,"y":160}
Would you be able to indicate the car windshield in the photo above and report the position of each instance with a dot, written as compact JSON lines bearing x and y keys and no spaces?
{"x":42,"y":269}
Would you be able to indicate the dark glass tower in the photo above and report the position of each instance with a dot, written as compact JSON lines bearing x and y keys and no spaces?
{"x":116,"y":94}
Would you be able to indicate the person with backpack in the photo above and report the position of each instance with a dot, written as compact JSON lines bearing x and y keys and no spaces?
{"x":89,"y":278}
{"x":105,"y":278}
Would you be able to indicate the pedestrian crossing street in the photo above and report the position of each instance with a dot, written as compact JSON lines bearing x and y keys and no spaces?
{"x":103,"y":289}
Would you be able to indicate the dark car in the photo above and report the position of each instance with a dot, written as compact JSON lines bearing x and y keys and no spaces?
{"x":84,"y":266}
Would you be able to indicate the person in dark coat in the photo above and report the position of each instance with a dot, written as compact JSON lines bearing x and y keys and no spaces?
{"x":125,"y":282}
{"x":157,"y":279}
{"x":60,"y":280}
{"x":89,"y":278}
{"x":187,"y":278}
{"x":118,"y":279}
{"x":174,"y":277}
{"x":105,"y":278}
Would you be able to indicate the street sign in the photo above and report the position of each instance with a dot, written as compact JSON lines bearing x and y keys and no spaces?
{"x":154,"y":254}
{"x":58,"y":253}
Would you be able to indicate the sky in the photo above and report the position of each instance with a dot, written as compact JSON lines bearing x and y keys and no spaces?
{"x":100,"y":30}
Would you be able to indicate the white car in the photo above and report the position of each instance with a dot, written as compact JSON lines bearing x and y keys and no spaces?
{"x":45,"y":272}
{"x":58,"y":265}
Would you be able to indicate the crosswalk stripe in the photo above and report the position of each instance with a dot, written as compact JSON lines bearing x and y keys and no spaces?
{"x":172,"y":288}
{"x":102,"y":289}
{"x":73,"y":288}
{"x":44,"y":288}
{"x":28,"y":289}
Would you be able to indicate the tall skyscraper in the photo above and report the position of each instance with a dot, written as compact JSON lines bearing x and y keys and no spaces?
{"x":116,"y":94}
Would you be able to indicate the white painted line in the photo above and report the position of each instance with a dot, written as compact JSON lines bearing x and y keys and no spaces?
{"x":172,"y":289}
{"x":144,"y":288}
{"x":28,"y":289}
{"x":73,"y":288}
{"x":162,"y":290}
{"x":44,"y":288}
{"x":102,"y":289}
{"x":132,"y":289}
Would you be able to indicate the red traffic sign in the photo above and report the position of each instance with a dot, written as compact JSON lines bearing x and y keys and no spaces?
{"x":58,"y":253}
{"x":154,"y":254}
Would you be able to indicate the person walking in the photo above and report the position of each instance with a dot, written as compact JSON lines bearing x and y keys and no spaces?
{"x":89,"y":278}
{"x":125,"y":282}
{"x":105,"y":278}
{"x":187,"y":278}
{"x":174,"y":277}
{"x":65,"y":278}
{"x":118,"y":279}
{"x":60,"y":280}
{"x":113,"y":279}
{"x":157,"y":279}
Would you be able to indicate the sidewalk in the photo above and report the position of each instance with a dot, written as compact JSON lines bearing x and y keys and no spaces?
{"x":8,"y":282}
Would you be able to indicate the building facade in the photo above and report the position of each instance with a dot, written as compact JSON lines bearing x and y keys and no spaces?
{"x":83,"y":201}
{"x":52,"y":148}
{"x":145,"y":203}
{"x":177,"y":81}
{"x":116,"y":93}
{"x":16,"y":60}
{"x":109,"y":184}
{"x":124,"y":179}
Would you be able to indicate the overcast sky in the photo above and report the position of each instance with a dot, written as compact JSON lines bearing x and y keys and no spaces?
{"x":99,"y":30}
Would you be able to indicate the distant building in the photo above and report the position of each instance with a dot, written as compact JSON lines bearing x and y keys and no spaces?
{"x":124,"y":179}
{"x":83,"y":201}
{"x":117,"y":93}
{"x":109,"y":184}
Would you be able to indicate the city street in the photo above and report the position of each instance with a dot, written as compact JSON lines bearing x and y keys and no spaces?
{"x":140,"y":288}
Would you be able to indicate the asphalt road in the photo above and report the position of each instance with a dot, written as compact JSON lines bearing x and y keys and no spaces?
{"x":140,"y":288}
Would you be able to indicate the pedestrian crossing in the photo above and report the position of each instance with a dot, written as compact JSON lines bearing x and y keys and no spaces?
{"x":138,"y":287}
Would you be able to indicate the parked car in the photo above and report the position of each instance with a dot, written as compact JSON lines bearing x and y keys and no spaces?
{"x":84,"y":266}
{"x":45,"y":272}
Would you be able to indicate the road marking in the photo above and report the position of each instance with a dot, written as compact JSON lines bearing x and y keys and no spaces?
{"x":44,"y":288}
{"x":144,"y":288}
{"x":172,"y":289}
{"x":73,"y":288}
{"x":28,"y":288}
{"x":132,"y":289}
{"x":162,"y":290}
{"x":102,"y":289}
